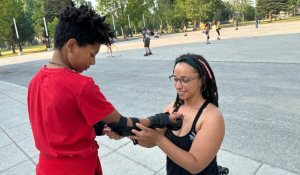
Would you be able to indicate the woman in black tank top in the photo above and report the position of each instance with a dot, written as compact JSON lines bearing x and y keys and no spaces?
{"x":192,"y":149}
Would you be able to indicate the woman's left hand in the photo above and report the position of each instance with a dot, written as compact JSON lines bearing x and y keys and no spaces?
{"x":147,"y":134}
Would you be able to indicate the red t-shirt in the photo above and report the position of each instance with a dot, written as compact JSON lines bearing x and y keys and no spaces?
{"x":63,"y":106}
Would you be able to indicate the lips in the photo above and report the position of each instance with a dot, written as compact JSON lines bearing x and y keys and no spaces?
{"x":181,"y":93}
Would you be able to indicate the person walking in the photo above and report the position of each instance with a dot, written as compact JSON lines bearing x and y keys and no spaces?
{"x":184,"y":29}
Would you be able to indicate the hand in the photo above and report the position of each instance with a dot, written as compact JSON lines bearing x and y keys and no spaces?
{"x":113,"y":135}
{"x":106,"y":130}
{"x":147,"y":134}
{"x":175,"y":116}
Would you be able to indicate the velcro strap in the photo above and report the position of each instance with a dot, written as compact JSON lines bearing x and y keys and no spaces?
{"x":134,"y":122}
{"x":162,"y":120}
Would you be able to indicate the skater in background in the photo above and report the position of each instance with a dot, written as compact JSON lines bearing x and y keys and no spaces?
{"x":218,"y":29}
{"x":236,"y":24}
{"x":256,"y":22}
{"x":109,"y":50}
{"x":184,"y":29}
{"x":207,"y":32}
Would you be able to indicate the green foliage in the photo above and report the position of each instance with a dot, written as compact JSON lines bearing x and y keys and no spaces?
{"x":51,"y":27}
{"x":271,"y":6}
{"x":37,"y":17}
{"x":52,"y":7}
{"x":224,"y":12}
{"x":249,"y":13}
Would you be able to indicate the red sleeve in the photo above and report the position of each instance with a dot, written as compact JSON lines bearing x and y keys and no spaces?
{"x":93,"y":103}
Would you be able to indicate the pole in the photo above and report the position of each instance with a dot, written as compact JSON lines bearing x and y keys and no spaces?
{"x":18,"y":36}
{"x":129,"y":26}
{"x":167,"y":24}
{"x":48,"y":45}
{"x":144,"y":21}
{"x":112,"y":16}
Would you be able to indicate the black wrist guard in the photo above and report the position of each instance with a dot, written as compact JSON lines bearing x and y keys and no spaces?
{"x":98,"y":127}
{"x":162,"y":120}
{"x":121,"y":127}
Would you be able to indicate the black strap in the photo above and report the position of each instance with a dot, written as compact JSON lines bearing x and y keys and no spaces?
{"x":199,"y":114}
{"x":134,"y":122}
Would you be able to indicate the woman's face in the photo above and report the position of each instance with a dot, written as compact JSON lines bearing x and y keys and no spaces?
{"x":184,"y":71}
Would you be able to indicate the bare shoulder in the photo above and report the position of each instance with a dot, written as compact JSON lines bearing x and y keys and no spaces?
{"x":170,"y":107}
{"x":213,"y":114}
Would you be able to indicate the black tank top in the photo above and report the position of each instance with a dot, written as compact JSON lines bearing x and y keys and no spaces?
{"x":185,"y":143}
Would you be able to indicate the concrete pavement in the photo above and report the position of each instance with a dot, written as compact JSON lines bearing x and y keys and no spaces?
{"x":257,"y":73}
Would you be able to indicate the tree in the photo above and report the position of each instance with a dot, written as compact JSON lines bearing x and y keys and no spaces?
{"x":135,"y":9}
{"x":241,"y":6}
{"x":8,"y":10}
{"x":224,"y":12}
{"x":117,"y":8}
{"x":249,"y":13}
{"x":293,"y":4}
{"x":37,"y":17}
{"x":52,"y":7}
{"x":271,"y":6}
{"x":51,"y":27}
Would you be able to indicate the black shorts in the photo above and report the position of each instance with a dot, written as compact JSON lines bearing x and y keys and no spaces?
{"x":147,"y":42}
{"x":218,"y":31}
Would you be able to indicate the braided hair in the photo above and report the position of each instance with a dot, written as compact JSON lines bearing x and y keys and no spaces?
{"x":82,"y":24}
{"x":208,"y":88}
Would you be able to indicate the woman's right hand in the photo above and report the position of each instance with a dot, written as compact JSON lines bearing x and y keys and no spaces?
{"x":175,"y":116}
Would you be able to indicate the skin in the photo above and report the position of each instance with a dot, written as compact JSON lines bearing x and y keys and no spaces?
{"x":210,"y":128}
{"x":80,"y":58}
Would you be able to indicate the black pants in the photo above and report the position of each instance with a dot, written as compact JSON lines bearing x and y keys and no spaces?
{"x":218,"y":31}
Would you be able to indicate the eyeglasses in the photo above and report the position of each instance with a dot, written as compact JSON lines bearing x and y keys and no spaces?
{"x":184,"y":81}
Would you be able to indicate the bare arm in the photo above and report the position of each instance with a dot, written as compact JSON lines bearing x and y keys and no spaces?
{"x":207,"y":142}
{"x":114,"y":117}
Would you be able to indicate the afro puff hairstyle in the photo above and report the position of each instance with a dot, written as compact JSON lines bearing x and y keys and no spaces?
{"x":82,"y":24}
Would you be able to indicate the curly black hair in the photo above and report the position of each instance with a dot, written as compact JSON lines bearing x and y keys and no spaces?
{"x":209,"y":88}
{"x":82,"y":24}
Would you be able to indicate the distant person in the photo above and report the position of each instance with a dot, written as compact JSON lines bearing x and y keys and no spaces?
{"x":207,"y":27}
{"x":185,"y":30}
{"x":218,"y":29}
{"x":109,"y":50}
{"x":256,"y":22}
{"x":236,"y":24}
{"x":146,"y":40}
{"x":203,"y":27}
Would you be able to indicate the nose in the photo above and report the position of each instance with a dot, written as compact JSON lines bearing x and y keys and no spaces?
{"x":178,"y":85}
{"x":93,"y":62}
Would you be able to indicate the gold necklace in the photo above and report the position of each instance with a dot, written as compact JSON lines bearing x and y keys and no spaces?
{"x":58,"y":64}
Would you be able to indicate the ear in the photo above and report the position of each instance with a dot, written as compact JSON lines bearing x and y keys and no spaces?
{"x":71,"y":45}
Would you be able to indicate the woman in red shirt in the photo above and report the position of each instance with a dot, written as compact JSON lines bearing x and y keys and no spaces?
{"x":63,"y":105}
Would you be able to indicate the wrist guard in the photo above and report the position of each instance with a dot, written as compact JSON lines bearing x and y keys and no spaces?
{"x":162,"y":120}
{"x":98,"y":127}
{"x":121,"y":127}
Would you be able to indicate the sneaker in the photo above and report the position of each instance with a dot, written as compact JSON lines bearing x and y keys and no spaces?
{"x":150,"y":53}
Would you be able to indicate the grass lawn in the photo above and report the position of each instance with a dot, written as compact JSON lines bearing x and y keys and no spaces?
{"x":288,"y":19}
{"x":27,"y":50}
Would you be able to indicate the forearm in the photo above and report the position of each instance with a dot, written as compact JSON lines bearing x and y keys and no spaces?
{"x":114,"y":117}
{"x":181,"y":157}
{"x":146,"y":144}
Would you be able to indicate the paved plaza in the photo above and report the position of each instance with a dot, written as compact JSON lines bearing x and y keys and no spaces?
{"x":258,"y":77}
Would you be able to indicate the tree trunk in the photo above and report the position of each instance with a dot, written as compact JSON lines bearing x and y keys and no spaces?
{"x":13,"y":49}
{"x":135,"y":29}
{"x":295,"y":11}
{"x":270,"y":17}
{"x":153,"y":24}
{"x":195,"y":24}
{"x":122,"y":30}
{"x":243,"y":16}
{"x":0,"y":53}
{"x":160,"y":25}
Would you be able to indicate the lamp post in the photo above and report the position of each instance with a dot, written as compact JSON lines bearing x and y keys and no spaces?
{"x":112,"y":16}
{"x":48,"y":45}
{"x":21,"y":51}
{"x":144,"y":21}
{"x":129,"y":26}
